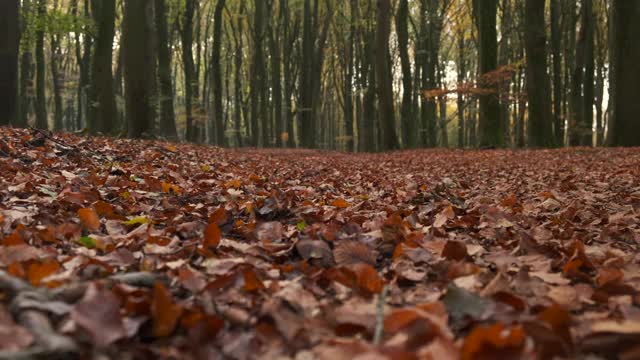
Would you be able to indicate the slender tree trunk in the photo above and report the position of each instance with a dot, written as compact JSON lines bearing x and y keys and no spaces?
{"x":305,"y":121}
{"x":238,"y":56}
{"x":26,"y":72}
{"x":9,"y":43}
{"x":558,"y":120}
{"x":54,"y":60}
{"x":216,"y":75}
{"x":276,"y":79}
{"x":258,"y":73}
{"x":461,"y":77}
{"x":624,"y":127}
{"x":489,"y":126}
{"x":383,"y":75}
{"x":190,"y":81}
{"x":586,"y":128}
{"x":540,"y":127}
{"x":41,"y":101}
{"x":167,"y":112}
{"x":406,"y":109}
{"x":102,"y":112}
{"x":137,"y":72}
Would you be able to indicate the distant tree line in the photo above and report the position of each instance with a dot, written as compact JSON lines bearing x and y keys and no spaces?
{"x":353,"y":75}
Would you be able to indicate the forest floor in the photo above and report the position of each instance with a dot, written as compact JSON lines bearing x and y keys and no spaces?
{"x":146,"y":249}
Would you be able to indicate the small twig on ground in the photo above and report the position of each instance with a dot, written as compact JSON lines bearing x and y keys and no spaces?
{"x":377,"y":336}
{"x":50,"y":137}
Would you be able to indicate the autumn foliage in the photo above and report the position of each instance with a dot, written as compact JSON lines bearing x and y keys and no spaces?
{"x":159,"y":250}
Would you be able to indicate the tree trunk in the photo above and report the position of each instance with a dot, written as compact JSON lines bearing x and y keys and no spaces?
{"x":461,"y":77}
{"x":586,"y":128}
{"x":305,"y":121}
{"x":406,"y":113}
{"x":137,"y":72}
{"x":9,"y":42}
{"x":190,"y":82}
{"x":55,"y":57}
{"x":102,"y":112}
{"x":26,"y":72}
{"x":624,"y":127}
{"x":383,"y":75}
{"x":489,"y":127}
{"x":558,"y":120}
{"x":167,"y":112}
{"x":258,"y":73}
{"x":276,"y":79}
{"x":238,"y":55}
{"x":216,"y":75}
{"x":41,"y":100}
{"x":540,"y":126}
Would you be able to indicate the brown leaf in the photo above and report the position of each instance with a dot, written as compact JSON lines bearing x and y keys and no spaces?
{"x":353,"y":252}
{"x":212,"y":236}
{"x":495,"y":341}
{"x":455,"y":250}
{"x":315,"y":249}
{"x":40,"y":270}
{"x":164,"y":312}
{"x":89,"y":219}
{"x":98,"y":313}
{"x":340,"y":203}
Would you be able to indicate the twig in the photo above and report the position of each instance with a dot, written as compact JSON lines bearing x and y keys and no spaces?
{"x":377,"y":336}
{"x":61,"y":143}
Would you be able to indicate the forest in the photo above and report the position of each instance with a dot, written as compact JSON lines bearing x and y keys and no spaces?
{"x":320,"y":179}
{"x":347,"y":75}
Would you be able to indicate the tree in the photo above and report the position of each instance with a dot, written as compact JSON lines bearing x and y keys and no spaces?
{"x":9,"y":16}
{"x":102,"y":102}
{"x":26,"y":69}
{"x":137,"y":73}
{"x":189,"y":67}
{"x":624,"y":127}
{"x":489,"y":125}
{"x":558,"y":90}
{"x":406,"y":109}
{"x":383,"y":75}
{"x":167,"y":112}
{"x":216,"y":75}
{"x":540,"y":126}
{"x":258,"y":73}
{"x":41,"y":100}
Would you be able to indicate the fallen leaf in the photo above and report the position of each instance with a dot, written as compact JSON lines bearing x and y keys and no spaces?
{"x":89,"y":219}
{"x":164,"y":312}
{"x":98,"y":313}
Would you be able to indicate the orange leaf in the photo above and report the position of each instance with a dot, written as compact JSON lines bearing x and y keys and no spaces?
{"x":399,"y":320}
{"x":212,"y":235}
{"x":14,"y":239}
{"x":367,"y":278}
{"x":104,"y":209}
{"x":89,"y":219}
{"x":40,"y":270}
{"x":340,"y":203}
{"x":170,"y":188}
{"x":251,"y":281}
{"x":492,"y":342}
{"x":455,"y":250}
{"x":164,"y":312}
{"x":219,"y":216}
{"x":609,"y":275}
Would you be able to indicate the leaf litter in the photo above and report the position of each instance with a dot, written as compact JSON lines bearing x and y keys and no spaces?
{"x":152,"y":249}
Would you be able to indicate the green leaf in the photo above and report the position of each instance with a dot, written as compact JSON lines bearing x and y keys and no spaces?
{"x":302,"y":225}
{"x":87,"y":241}
{"x":138,"y":220}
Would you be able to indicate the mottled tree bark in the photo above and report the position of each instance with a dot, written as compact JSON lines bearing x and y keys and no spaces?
{"x":624,"y":127}
{"x":9,"y":40}
{"x":540,"y":126}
